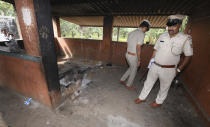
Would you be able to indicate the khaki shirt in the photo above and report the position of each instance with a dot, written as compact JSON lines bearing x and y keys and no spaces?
{"x":134,"y":38}
{"x":168,"y":50}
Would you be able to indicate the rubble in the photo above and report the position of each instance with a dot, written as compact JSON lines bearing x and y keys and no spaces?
{"x":71,"y":89}
{"x":75,"y":76}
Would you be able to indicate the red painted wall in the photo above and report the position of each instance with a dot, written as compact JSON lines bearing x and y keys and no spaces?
{"x":25,"y":77}
{"x":92,"y":49}
{"x":197,"y":75}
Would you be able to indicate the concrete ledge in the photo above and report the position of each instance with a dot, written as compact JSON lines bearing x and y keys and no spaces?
{"x":22,"y":56}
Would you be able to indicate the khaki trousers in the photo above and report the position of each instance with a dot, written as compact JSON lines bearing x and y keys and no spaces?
{"x":165,"y":75}
{"x":131,"y":71}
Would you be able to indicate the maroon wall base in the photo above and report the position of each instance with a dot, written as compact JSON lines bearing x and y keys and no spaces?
{"x":25,"y":77}
{"x":196,"y":75}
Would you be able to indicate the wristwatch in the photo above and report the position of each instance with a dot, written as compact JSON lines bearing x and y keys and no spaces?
{"x":178,"y":70}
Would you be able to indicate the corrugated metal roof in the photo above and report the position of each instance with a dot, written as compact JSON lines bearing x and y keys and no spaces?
{"x":127,"y":13}
{"x":126,"y":7}
{"x":121,"y":21}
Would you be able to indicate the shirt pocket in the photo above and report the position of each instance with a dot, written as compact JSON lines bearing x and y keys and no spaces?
{"x":177,"y":48}
{"x":162,"y":42}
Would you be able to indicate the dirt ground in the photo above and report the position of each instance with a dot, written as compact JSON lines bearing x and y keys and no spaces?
{"x":104,"y":103}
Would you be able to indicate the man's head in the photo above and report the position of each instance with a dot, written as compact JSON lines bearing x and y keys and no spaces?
{"x":145,"y":25}
{"x":174,"y":23}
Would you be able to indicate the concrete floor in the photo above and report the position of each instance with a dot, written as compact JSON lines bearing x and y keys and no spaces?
{"x":105,"y":103}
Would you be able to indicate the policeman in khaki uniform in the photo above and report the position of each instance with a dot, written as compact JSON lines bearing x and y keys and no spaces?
{"x":166,"y":57}
{"x":135,"y":40}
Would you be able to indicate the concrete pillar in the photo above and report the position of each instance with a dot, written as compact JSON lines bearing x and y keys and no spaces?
{"x":27,"y":19}
{"x":46,"y":43}
{"x":106,"y":48}
{"x":118,"y":33}
{"x":37,"y":30}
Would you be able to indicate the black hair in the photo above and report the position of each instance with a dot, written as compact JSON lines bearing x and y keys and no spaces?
{"x":145,"y":24}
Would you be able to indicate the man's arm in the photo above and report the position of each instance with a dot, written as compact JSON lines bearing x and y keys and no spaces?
{"x":184,"y":63}
{"x":188,"y":52}
{"x":138,"y":49}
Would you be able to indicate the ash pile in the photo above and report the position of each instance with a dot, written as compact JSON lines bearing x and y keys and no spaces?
{"x":74,"y":78}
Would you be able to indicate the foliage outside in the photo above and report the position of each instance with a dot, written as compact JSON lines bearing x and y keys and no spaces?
{"x":151,"y":36}
{"x":6,"y":9}
{"x":8,"y":18}
{"x":71,"y":30}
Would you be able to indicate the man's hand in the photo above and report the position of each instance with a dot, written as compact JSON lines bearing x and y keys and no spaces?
{"x":177,"y":72}
{"x":150,"y":63}
{"x":138,"y":49}
{"x":152,"y":59}
{"x":184,"y":63}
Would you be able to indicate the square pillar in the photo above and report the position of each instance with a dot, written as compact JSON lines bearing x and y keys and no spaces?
{"x":106,"y":49}
{"x":37,"y":30}
{"x":27,"y":20}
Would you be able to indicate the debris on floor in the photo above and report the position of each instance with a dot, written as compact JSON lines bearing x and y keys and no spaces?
{"x":77,"y":75}
{"x":109,"y":64}
{"x":98,"y":63}
{"x":27,"y":101}
{"x":31,"y":103}
{"x":86,"y":81}
{"x":74,"y":77}
{"x":73,"y":88}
